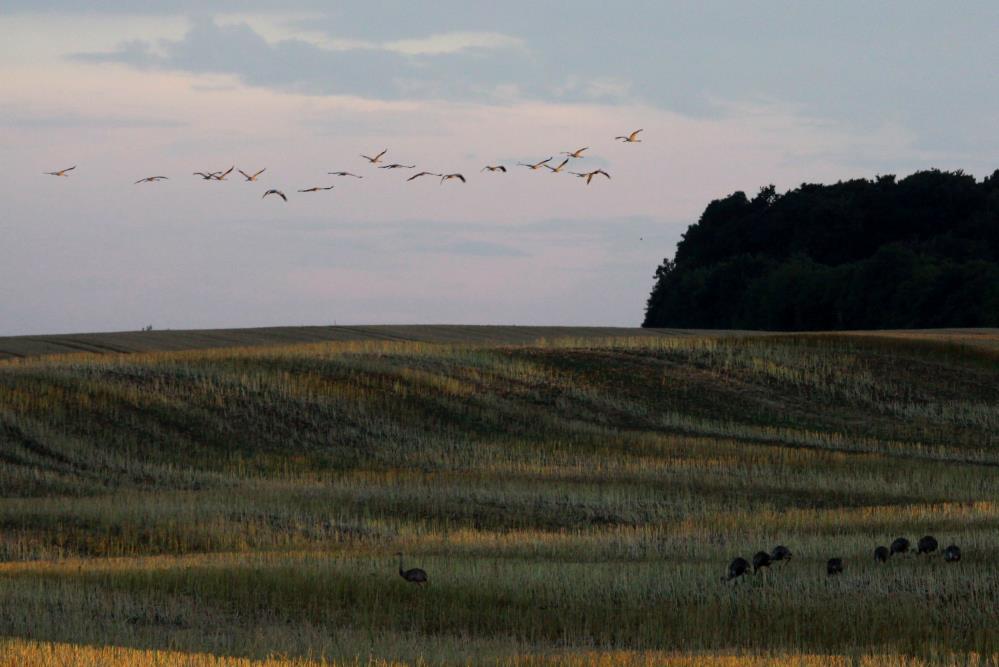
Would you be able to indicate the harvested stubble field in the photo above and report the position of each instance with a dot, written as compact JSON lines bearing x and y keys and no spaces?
{"x":575,"y":502}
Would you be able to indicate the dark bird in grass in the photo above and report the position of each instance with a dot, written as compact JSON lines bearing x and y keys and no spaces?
{"x":834,"y":566}
{"x":151,"y":179}
{"x":559,"y":168}
{"x":761,"y":559}
{"x":952,"y":554}
{"x":208,"y":176}
{"x":926,"y":545}
{"x":881,"y":554}
{"x":448,"y":177}
{"x":423,"y":173}
{"x":578,"y":153}
{"x":899,"y":546}
{"x":631,"y":138}
{"x":736,"y":569}
{"x":536,"y":165}
{"x":780,"y":552}
{"x":496,"y":167}
{"x":316,"y":188}
{"x":251,"y":177}
{"x":343,"y":173}
{"x":220,"y":176}
{"x":275,"y":192}
{"x":376,"y":159}
{"x":588,"y":175}
{"x":414,"y":575}
{"x":61,"y":172}
{"x":396,"y":165}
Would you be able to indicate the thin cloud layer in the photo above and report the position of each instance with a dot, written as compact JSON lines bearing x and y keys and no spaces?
{"x":458,"y":65}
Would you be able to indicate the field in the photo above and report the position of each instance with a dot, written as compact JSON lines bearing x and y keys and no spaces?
{"x":574,"y":500}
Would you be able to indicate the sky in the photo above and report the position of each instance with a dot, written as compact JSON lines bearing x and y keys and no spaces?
{"x":731,"y":96}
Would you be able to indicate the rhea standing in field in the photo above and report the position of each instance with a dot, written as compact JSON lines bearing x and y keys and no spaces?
{"x":413,"y":575}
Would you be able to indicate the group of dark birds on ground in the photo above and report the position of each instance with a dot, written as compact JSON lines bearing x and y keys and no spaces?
{"x":376,"y":160}
{"x":740,"y":566}
{"x":901,"y":545}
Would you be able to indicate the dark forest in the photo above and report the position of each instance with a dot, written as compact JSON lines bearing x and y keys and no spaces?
{"x":920,"y":252}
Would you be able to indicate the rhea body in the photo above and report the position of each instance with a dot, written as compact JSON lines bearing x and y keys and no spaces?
{"x":926,"y":545}
{"x":761,"y":559}
{"x":413,"y":575}
{"x":780,"y":553}
{"x":737,"y":568}
{"x":899,"y":546}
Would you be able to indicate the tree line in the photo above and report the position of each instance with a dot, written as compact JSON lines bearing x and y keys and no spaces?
{"x":919,"y":252}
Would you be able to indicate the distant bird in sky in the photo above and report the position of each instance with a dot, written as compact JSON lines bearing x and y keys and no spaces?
{"x":536,"y":165}
{"x":313,"y":189}
{"x":376,"y":159}
{"x":396,"y":165}
{"x":61,"y":172}
{"x":250,"y":178}
{"x":559,"y":168}
{"x":578,"y":153}
{"x":221,"y":176}
{"x":275,"y":192}
{"x":448,"y":177}
{"x":422,"y":173}
{"x":497,"y":167}
{"x":151,"y":179}
{"x":343,"y":173}
{"x":209,"y":176}
{"x":631,"y":138}
{"x":588,"y":175}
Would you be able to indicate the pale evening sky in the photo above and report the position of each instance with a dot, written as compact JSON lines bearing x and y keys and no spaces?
{"x":731,"y":95}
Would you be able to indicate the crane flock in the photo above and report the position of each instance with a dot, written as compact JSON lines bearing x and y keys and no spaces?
{"x":377,"y":161}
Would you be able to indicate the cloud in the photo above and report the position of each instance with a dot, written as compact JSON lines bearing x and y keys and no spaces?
{"x":455,"y":42}
{"x":449,"y":65}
